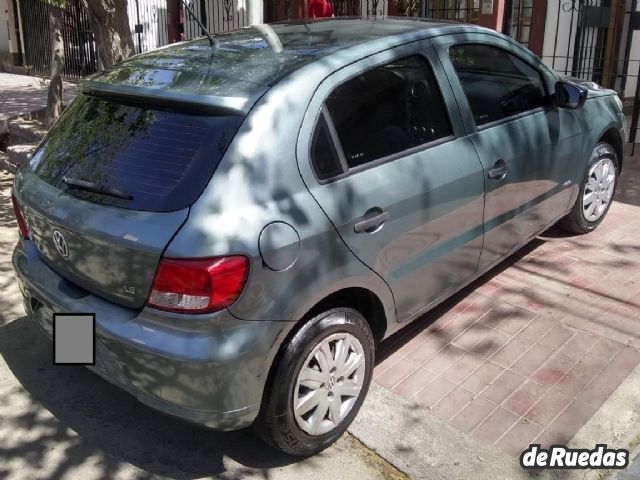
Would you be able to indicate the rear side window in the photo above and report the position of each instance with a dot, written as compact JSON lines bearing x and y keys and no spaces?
{"x":138,"y":157}
{"x":496,"y":83}
{"x":387,"y":110}
{"x":323,"y":152}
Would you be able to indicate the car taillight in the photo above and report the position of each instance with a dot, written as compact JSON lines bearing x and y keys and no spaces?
{"x":24,"y":231}
{"x":198,"y":286}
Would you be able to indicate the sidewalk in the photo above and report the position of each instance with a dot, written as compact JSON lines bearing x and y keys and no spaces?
{"x":536,"y":349}
{"x":20,"y":94}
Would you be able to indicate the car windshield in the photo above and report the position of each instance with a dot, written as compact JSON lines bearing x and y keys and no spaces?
{"x":133,"y":156}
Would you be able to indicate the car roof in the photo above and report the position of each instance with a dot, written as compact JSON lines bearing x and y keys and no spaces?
{"x":244,"y":63}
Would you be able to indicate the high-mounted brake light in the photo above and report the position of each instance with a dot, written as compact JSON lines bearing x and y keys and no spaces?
{"x":198,"y":286}
{"x":24,"y":231}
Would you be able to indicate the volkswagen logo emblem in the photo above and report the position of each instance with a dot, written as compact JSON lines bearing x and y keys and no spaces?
{"x":331,"y":383}
{"x":60,"y":243}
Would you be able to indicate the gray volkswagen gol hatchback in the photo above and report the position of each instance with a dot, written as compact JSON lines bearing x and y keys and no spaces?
{"x":249,"y":219}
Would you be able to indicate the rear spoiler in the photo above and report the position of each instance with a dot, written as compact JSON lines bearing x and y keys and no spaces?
{"x":172,"y":99}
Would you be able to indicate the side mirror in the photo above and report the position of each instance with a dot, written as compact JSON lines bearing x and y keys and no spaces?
{"x":569,"y":95}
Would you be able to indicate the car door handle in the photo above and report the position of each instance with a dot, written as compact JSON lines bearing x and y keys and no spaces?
{"x":499,"y":170}
{"x":371,"y":221}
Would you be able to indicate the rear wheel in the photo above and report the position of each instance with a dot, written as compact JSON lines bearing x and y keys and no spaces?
{"x":319,"y":383}
{"x":596,"y":191}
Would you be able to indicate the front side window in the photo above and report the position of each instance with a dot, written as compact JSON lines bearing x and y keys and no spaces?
{"x":387,"y":110}
{"x":497,"y":84}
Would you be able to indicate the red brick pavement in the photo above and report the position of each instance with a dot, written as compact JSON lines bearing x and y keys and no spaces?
{"x":531,"y":350}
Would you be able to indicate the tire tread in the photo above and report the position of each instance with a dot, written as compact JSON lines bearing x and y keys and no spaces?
{"x":271,"y":425}
{"x":574,"y":222}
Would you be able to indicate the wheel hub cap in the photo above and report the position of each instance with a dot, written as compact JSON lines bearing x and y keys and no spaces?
{"x":329,"y":383}
{"x":599,"y":189}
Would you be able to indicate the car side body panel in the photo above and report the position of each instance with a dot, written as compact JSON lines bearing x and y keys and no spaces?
{"x":432,"y":193}
{"x":257,"y":184}
{"x":546,"y":150}
{"x":230,"y":217}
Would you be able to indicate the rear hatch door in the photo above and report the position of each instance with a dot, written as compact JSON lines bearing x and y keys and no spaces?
{"x":110,"y":186}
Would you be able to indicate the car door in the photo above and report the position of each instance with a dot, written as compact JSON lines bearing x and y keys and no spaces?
{"x":507,"y":106}
{"x":383,"y":151}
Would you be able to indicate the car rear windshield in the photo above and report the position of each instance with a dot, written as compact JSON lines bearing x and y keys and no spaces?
{"x":133,"y":156}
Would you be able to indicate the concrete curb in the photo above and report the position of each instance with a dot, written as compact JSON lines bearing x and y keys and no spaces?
{"x":424,"y":447}
{"x":616,"y":423}
{"x":5,"y":164}
{"x":18,"y":135}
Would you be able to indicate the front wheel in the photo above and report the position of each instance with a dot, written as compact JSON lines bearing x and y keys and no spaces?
{"x":319,"y":383}
{"x":596,"y":191}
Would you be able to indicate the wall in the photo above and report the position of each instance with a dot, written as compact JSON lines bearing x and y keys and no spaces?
{"x":4,"y":31}
{"x":633,"y":62}
{"x":10,"y":50}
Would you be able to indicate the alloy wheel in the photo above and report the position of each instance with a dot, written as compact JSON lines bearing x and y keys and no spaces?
{"x":329,"y":383}
{"x":599,"y":189}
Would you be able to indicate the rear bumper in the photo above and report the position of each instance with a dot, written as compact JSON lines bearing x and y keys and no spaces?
{"x":208,"y":369}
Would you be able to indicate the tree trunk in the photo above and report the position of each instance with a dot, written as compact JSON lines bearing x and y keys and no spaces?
{"x":54,"y":97}
{"x":110,"y":23}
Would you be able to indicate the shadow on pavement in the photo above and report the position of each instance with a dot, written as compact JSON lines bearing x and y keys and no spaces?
{"x":88,"y":420}
{"x":91,"y":418}
{"x":627,"y":192}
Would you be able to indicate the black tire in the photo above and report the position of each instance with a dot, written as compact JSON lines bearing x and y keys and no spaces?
{"x":276,"y":422}
{"x":575,"y":221}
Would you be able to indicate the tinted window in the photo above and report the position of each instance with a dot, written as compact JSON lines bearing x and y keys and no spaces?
{"x":496,"y":83}
{"x":387,"y":110}
{"x":162,"y":159}
{"x":323,"y":153}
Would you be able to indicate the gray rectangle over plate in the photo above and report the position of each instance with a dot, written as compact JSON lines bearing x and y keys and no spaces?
{"x":74,"y":339}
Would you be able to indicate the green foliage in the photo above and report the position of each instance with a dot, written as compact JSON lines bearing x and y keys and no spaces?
{"x":56,"y":3}
{"x":408,"y":7}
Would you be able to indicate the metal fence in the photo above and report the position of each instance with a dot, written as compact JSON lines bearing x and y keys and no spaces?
{"x":596,"y":40}
{"x":278,"y":10}
{"x":599,"y":41}
{"x":216,"y":15}
{"x":151,"y":24}
{"x":461,"y":10}
{"x":79,"y":42}
{"x":586,"y":39}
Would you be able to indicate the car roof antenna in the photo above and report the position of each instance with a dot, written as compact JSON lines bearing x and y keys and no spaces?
{"x":212,"y":41}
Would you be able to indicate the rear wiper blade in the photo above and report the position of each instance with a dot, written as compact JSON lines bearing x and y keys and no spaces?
{"x":92,"y":187}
